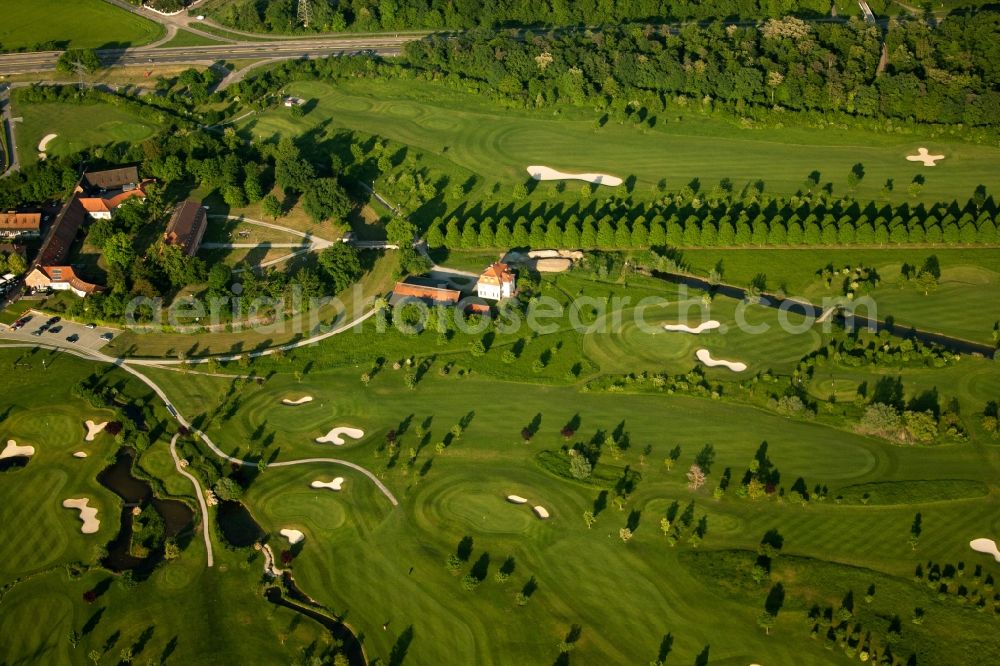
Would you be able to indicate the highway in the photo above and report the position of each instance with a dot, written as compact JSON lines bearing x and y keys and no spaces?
{"x":43,"y":61}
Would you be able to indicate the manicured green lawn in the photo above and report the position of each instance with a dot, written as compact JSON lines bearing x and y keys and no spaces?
{"x":184,"y":613}
{"x":77,"y":126}
{"x":185,"y":38}
{"x":81,"y":24}
{"x":461,"y":135}
{"x":964,"y":304}
{"x":384,"y":565}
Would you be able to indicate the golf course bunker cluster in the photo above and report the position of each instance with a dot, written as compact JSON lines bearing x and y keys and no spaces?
{"x":335,"y":484}
{"x":13,"y":450}
{"x":705,"y":357}
{"x":709,"y":325}
{"x":548,"y":173}
{"x":336,"y":435}
{"x":88,"y":514}
{"x":427,"y":332}
{"x":94,"y":429}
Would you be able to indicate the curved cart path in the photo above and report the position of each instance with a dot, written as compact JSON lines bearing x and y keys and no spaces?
{"x":201,"y":499}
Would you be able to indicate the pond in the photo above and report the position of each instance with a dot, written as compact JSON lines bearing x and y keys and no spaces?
{"x":14,"y":462}
{"x":237,"y":526}
{"x":176,"y":515}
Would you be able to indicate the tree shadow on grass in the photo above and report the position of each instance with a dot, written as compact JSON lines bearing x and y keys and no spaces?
{"x":464,"y":548}
{"x":401,"y":647}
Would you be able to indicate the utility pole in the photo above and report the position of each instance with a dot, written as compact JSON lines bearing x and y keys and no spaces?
{"x":305,"y":12}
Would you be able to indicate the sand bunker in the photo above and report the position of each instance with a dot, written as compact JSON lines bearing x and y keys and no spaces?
{"x":541,"y":512}
{"x":707,"y":359}
{"x":332,"y":485}
{"x":923,"y":156}
{"x":516,"y":499}
{"x":12,"y":450}
{"x":80,"y":454}
{"x":334,"y":436}
{"x":553,"y":265}
{"x":704,"y":326}
{"x":43,"y":145}
{"x":293,"y":536}
{"x":93,"y":429}
{"x":87,"y":514}
{"x":548,"y":173}
{"x":988,"y":546}
{"x":300,"y":401}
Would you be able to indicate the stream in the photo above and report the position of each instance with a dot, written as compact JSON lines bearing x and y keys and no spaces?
{"x":848,"y":321}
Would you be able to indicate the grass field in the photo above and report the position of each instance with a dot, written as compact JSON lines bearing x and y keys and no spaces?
{"x":90,"y":24}
{"x":386,"y":566}
{"x":964,"y":303}
{"x":77,"y":126}
{"x":185,"y":38}
{"x":177,"y":615}
{"x":463,"y":136}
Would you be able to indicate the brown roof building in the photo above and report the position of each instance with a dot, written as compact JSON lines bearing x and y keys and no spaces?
{"x":59,"y":278}
{"x":187,"y":227}
{"x":111,"y":179}
{"x":423,"y":292}
{"x":61,"y":234}
{"x":102,"y":207}
{"x":13,"y":224}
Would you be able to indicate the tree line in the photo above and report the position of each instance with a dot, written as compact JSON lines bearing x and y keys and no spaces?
{"x":646,"y":226}
{"x":283,"y":16}
{"x":946,"y":73}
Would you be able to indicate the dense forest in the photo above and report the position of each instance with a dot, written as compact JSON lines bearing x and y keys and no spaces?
{"x":947,"y":73}
{"x":283,"y":15}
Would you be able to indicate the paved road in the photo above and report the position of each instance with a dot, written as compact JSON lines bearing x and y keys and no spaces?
{"x":8,"y":130}
{"x":43,"y":61}
{"x":206,"y":534}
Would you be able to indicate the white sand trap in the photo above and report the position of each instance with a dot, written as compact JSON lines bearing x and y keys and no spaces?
{"x":683,"y":328}
{"x":87,"y":514}
{"x":12,"y":450}
{"x":548,"y":173}
{"x":923,"y":156}
{"x":334,"y":436}
{"x":43,"y":144}
{"x":80,"y":454}
{"x":293,"y":536}
{"x":541,"y":512}
{"x":93,"y":429}
{"x":988,"y":546}
{"x":332,"y":485}
{"x":707,"y":359}
{"x":516,"y":499}
{"x":301,"y":401}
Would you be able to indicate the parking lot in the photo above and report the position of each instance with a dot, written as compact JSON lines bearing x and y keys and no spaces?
{"x":87,"y":338}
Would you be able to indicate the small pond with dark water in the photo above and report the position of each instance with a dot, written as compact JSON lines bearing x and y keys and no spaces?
{"x":177,"y":516}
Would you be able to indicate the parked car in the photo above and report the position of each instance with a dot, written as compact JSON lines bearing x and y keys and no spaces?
{"x":107,"y":336}
{"x":38,"y":333}
{"x":91,"y":326}
{"x":54,"y":320}
{"x":73,"y":338}
{"x":55,"y":329}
